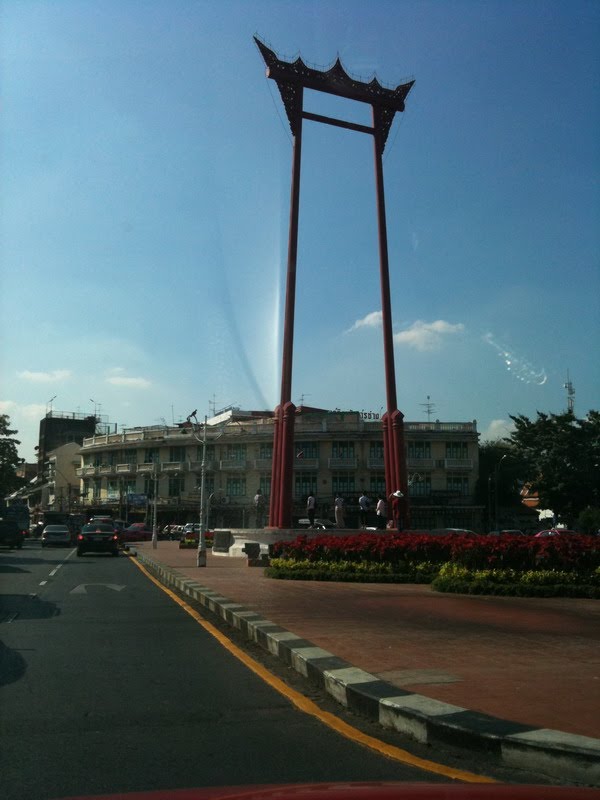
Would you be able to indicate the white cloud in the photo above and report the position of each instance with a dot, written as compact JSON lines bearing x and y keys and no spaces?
{"x":427,"y":335}
{"x":45,"y":377}
{"x":134,"y":383}
{"x":7,"y":406}
{"x":34,"y":411}
{"x":497,"y":429}
{"x":372,"y":320}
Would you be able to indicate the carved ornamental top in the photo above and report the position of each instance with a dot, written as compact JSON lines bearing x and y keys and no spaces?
{"x":291,"y":76}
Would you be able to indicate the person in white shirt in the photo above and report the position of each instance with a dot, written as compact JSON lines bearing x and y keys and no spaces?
{"x":339,"y":511}
{"x":381,"y":512}
{"x":363,"y":509}
{"x":311,"y":507}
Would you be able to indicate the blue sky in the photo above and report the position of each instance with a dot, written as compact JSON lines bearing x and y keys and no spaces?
{"x":145,"y":173}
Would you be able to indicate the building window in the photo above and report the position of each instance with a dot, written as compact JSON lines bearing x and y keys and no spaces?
{"x":305,"y":483}
{"x":86,"y":488}
{"x":376,"y":450}
{"x":265,"y":484}
{"x":306,"y":449}
{"x":177,"y":453}
{"x":420,"y":487}
{"x":209,"y":485}
{"x":342,"y":483}
{"x":112,"y":490}
{"x":176,"y":486}
{"x":456,"y":450}
{"x":151,"y":455}
{"x":265,"y":450}
{"x":377,"y":484}
{"x":97,"y":488}
{"x":149,"y":487}
{"x":235,"y":452}
{"x":210,"y":452}
{"x":342,"y":449}
{"x":236,"y":487}
{"x":129,"y":457}
{"x":458,"y":484}
{"x":130,"y":486}
{"x":419,"y":449}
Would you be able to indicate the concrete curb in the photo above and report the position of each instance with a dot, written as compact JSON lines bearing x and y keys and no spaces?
{"x":564,"y":756}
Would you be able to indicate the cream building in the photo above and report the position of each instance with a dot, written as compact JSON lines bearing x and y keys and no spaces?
{"x":336,"y":452}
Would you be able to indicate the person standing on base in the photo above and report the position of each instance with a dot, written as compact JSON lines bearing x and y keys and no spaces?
{"x":398,"y":503}
{"x":363,"y":509}
{"x":381,"y":512}
{"x":311,"y":508}
{"x":339,"y":511}
{"x":259,"y":505}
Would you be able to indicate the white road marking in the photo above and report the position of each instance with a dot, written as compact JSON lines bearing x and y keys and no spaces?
{"x":43,"y":583}
{"x":81,"y":588}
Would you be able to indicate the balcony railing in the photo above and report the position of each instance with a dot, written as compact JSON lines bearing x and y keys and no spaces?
{"x":343,"y":463}
{"x":420,"y":463}
{"x":263,"y":463}
{"x":458,"y":463}
{"x":196,"y":466}
{"x":145,"y":468}
{"x":126,"y":468}
{"x":173,"y":466}
{"x":306,"y":463}
{"x":233,"y":464}
{"x":375,"y":462}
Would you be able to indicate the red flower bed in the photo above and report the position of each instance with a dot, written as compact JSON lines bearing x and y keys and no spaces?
{"x":580,"y":553}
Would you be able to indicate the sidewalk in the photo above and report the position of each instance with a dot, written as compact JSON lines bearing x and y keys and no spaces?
{"x":533,"y":661}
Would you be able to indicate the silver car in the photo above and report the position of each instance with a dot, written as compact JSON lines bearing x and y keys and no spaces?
{"x":56,"y":534}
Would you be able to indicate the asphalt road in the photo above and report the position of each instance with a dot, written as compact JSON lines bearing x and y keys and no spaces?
{"x":107,"y":685}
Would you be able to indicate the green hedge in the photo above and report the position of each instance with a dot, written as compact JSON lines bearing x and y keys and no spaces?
{"x":450,"y":577}
{"x":356,"y":571}
{"x":508,"y":582}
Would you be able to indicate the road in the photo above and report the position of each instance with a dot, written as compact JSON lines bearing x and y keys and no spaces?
{"x":108,"y":685}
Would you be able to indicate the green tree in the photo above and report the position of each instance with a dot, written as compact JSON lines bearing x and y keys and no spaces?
{"x":560,"y":457}
{"x":9,"y":459}
{"x":500,"y":478}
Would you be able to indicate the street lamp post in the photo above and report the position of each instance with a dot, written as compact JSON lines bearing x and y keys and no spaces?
{"x":496,"y":471}
{"x":155,"y":509}
{"x":201,"y":553}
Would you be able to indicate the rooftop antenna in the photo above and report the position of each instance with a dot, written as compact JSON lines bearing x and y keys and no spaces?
{"x":302,"y":396}
{"x":570,"y":394}
{"x":49,"y":404}
{"x":212,"y":406}
{"x":429,"y":408}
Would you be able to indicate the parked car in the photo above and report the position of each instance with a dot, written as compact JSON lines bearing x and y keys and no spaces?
{"x":57,"y":535}
{"x":11,"y":534}
{"x":556,"y":532}
{"x":137,"y":532}
{"x":452,"y":532}
{"x":98,"y":537}
{"x":507,"y":532}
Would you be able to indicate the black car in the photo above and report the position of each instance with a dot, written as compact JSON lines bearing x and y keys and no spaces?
{"x":11,"y":534}
{"x":98,"y":537}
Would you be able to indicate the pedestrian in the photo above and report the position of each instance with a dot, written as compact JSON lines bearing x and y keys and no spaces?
{"x":381,"y":512}
{"x":398,"y":509}
{"x":259,"y":505}
{"x":339,"y":511}
{"x":363,"y":509}
{"x":311,"y":507}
